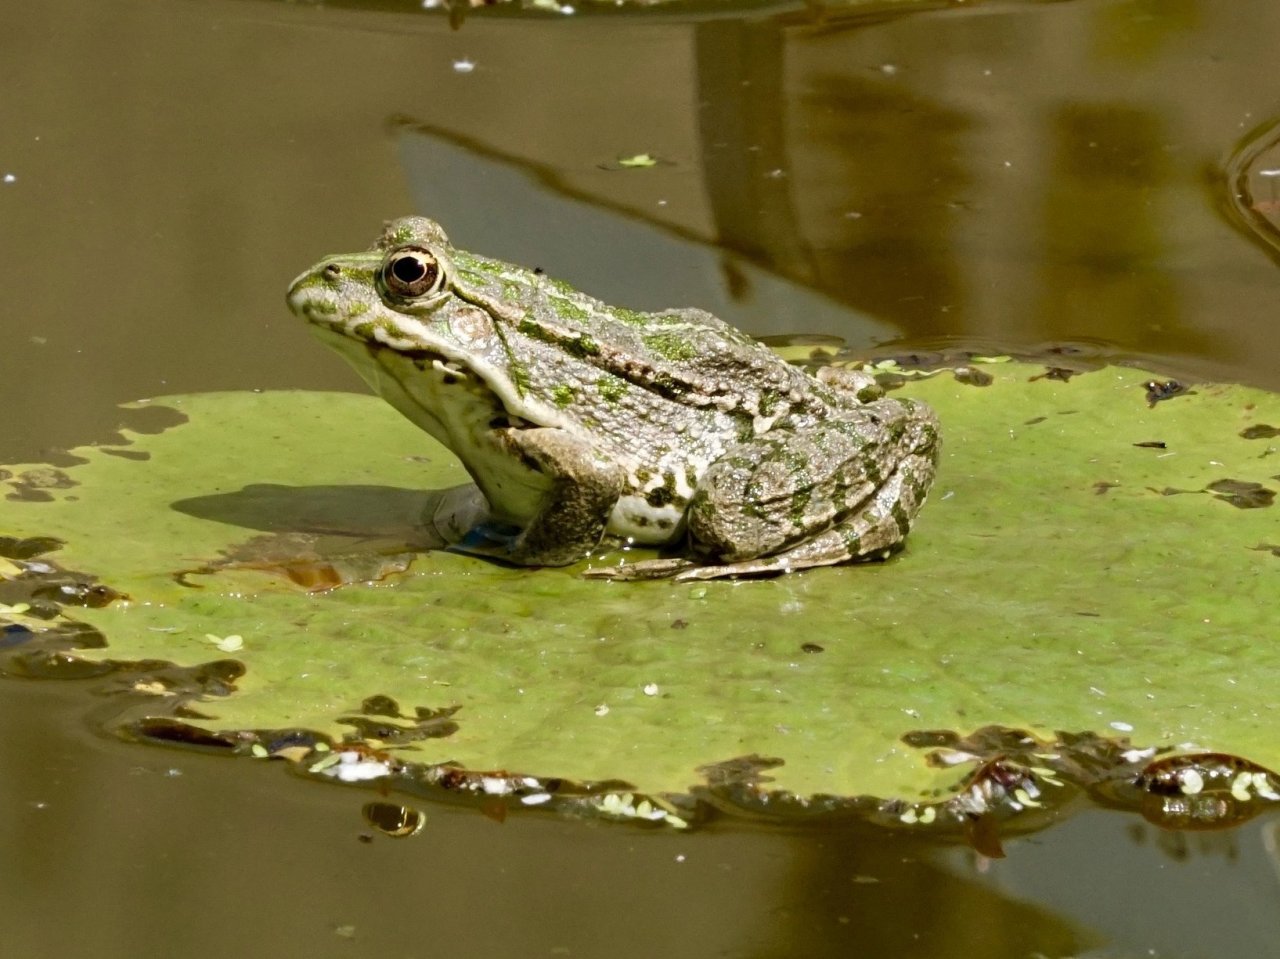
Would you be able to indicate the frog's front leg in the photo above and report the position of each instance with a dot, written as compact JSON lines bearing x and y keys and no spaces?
{"x":843,"y":489}
{"x":571,"y":515}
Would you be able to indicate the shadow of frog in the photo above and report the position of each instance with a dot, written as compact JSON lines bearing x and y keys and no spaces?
{"x":325,"y":536}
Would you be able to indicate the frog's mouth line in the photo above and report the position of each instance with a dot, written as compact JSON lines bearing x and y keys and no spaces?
{"x":443,"y":371}
{"x":466,"y":387}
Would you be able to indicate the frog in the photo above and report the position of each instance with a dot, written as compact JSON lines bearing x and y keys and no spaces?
{"x":581,"y":422}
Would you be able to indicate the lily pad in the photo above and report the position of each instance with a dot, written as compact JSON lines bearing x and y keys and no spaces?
{"x":1099,"y":554}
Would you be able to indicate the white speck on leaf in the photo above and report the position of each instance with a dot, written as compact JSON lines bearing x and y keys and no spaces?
{"x":227,"y":644}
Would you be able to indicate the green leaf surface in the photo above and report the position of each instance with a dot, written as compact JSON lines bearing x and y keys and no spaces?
{"x":1061,"y":577}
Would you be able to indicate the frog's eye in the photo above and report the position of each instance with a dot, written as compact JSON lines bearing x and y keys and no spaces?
{"x":412,"y":272}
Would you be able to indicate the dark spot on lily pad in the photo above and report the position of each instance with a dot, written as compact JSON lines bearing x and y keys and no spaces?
{"x":1242,"y":495}
{"x":932,"y":738}
{"x":127,"y":454}
{"x":740,"y":771}
{"x":1152,"y":445}
{"x":425,"y":714}
{"x":972,"y":376}
{"x":380,"y":706}
{"x":1260,"y":431}
{"x":71,"y":590}
{"x":1059,"y":373}
{"x":368,"y":727}
{"x":12,"y":547}
{"x":812,"y":648}
{"x":427,"y":723}
{"x":33,"y":486}
{"x":1272,"y":548}
{"x":1158,"y":391}
{"x":1101,"y":487}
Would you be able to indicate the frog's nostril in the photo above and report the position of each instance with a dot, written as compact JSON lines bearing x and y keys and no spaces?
{"x":332,"y":271}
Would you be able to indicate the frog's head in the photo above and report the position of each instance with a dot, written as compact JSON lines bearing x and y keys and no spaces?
{"x":411,"y":294}
{"x":379,"y":296}
{"x":412,"y":313}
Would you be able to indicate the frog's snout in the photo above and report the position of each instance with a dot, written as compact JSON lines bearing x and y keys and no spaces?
{"x":314,"y":295}
{"x":295,"y":297}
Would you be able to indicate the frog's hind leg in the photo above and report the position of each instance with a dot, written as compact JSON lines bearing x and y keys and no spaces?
{"x":875,"y":532}
{"x":856,"y":540}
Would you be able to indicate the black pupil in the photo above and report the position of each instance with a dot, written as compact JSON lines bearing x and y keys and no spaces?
{"x":408,"y":269}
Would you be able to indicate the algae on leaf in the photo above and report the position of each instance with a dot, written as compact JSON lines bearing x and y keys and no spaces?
{"x":1088,"y":561}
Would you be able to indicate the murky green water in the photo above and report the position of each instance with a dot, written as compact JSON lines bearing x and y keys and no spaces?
{"x":1098,"y":174}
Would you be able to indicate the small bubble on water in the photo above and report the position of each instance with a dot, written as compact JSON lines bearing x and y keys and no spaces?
{"x":463,"y":66}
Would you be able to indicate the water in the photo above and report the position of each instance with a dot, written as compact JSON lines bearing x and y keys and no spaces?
{"x":1010,"y":175}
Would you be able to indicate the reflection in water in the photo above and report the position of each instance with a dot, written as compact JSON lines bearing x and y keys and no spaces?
{"x":913,"y":901}
{"x":1105,"y":231}
{"x":814,"y":178}
{"x":742,"y":141}
{"x":885,"y":162}
{"x":534,"y":218}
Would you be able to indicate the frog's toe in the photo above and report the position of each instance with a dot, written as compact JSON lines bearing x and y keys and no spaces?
{"x":838,"y":545}
{"x":769,"y":566}
{"x":645,"y":569}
